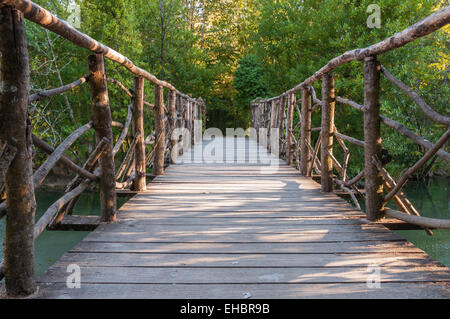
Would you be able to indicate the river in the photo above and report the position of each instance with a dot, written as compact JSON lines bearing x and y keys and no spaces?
{"x":431,"y":199}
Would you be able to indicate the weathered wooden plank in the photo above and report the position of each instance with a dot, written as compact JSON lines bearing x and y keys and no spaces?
{"x":233,"y":222}
{"x":240,"y":291}
{"x":185,"y":237}
{"x":78,"y":223}
{"x":232,"y":275}
{"x":247,"y":248}
{"x":249,"y":260}
{"x":133,"y":214}
{"x":248,"y":229}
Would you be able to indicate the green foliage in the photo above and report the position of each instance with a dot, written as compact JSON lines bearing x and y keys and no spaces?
{"x":248,"y":84}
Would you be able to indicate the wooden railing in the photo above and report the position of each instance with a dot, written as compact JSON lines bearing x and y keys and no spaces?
{"x":17,"y":180}
{"x":295,"y":140}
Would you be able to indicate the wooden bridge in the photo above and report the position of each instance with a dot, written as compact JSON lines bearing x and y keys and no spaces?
{"x":231,"y":217}
{"x":241,"y":230}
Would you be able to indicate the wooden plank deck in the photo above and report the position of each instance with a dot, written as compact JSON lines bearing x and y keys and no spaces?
{"x":231,"y":230}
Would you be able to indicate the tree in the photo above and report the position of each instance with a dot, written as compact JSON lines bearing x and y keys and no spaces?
{"x":248,"y":85}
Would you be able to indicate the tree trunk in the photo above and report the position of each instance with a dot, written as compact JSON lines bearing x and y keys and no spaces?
{"x":140,"y":183}
{"x":372,"y":139}
{"x":101,"y":117}
{"x":328,"y":102}
{"x":305,"y":132}
{"x":158,"y":165}
{"x":15,"y":129}
{"x":290,"y":122}
{"x":173,"y":126}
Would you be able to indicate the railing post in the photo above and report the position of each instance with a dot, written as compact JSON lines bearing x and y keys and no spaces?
{"x":101,"y":117}
{"x":305,"y":132}
{"x":193,"y":119}
{"x":140,"y":183}
{"x":187,"y":114}
{"x":158,"y":165}
{"x":328,"y":102}
{"x":280,"y":120}
{"x":273,"y":121}
{"x":372,"y":139}
{"x":290,"y":121}
{"x":15,"y":129}
{"x":173,"y":123}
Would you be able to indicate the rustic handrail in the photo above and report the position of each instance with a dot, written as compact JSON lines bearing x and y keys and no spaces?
{"x":45,"y":94}
{"x":270,"y":113}
{"x":425,"y":26}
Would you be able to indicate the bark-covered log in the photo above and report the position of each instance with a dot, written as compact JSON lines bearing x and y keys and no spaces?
{"x":328,"y":98}
{"x":355,"y":179}
{"x":348,"y":191}
{"x":425,"y":26}
{"x":51,"y":212}
{"x":127,"y":92}
{"x":127,"y":159}
{"x":45,"y":94}
{"x":158,"y":166}
{"x":15,"y":129}
{"x":432,"y":223}
{"x":349,"y":139}
{"x":125,"y":129}
{"x":140,"y":182}
{"x":400,"y":129}
{"x":416,"y":138}
{"x":45,"y":168}
{"x":432,"y":114}
{"x":173,"y":124}
{"x":400,"y":199}
{"x":305,"y":132}
{"x":372,"y":139}
{"x":280,"y":120}
{"x":410,"y":171}
{"x":64,"y":159}
{"x":101,"y":117}
{"x":289,"y":133}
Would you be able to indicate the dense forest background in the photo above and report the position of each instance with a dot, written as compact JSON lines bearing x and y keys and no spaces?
{"x":232,"y":51}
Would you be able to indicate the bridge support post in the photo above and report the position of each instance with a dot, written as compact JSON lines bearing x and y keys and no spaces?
{"x":372,"y":139}
{"x":101,"y":117}
{"x":15,"y":129}
{"x":273,"y":121}
{"x":140,"y":183}
{"x":158,"y":166}
{"x":305,"y":132}
{"x":328,"y":102}
{"x":280,"y":120}
{"x":290,"y":122}
{"x":173,"y":125}
{"x":193,"y":119}
{"x":180,"y":121}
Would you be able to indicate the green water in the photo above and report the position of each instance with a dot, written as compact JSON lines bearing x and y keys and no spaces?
{"x":431,"y":199}
{"x":51,"y":245}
